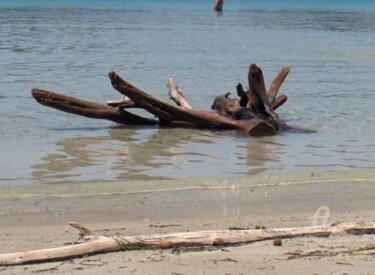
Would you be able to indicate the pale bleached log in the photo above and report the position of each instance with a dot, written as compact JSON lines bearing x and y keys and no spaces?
{"x":95,"y":244}
{"x":124,"y":102}
{"x":176,"y":95}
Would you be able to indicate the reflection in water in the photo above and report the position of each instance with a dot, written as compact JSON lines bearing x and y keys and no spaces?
{"x":75,"y":153}
{"x":161,"y":154}
{"x":261,"y":151}
{"x":153,"y":153}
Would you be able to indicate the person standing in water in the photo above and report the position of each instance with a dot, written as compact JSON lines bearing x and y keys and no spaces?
{"x":218,"y":6}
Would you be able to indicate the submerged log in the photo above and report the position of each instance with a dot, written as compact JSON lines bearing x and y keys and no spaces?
{"x":88,"y":109}
{"x":94,"y":243}
{"x":170,"y":114}
{"x":257,"y":119}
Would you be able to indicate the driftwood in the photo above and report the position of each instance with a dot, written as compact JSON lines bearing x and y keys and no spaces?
{"x":276,"y":84}
{"x":88,"y":109}
{"x":93,"y":243}
{"x":176,"y":95}
{"x":253,"y":113}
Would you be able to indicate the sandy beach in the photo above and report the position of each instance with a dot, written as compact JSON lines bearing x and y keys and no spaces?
{"x":40,"y":221}
{"x":332,"y":255}
{"x":131,"y":180}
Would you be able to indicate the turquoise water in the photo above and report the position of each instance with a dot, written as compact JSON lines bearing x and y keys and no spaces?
{"x":69,"y":46}
{"x":335,"y":5}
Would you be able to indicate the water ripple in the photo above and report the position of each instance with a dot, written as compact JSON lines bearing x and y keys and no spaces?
{"x":70,"y":49}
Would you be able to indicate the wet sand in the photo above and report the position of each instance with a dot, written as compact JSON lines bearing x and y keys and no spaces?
{"x":35,"y":220}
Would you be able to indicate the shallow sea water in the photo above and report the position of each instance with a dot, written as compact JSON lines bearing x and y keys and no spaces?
{"x":69,"y":46}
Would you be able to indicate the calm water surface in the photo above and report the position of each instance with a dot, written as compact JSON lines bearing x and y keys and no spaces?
{"x":69,"y":46}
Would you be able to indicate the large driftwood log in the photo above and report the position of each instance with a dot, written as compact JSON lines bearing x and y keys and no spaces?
{"x":94,"y":243}
{"x":174,"y":115}
{"x":258,"y":119}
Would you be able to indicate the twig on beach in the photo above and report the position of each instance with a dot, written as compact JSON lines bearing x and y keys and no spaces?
{"x":94,"y":243}
{"x":164,"y":225}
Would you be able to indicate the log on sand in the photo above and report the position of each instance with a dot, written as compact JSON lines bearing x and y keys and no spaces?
{"x":93,"y":243}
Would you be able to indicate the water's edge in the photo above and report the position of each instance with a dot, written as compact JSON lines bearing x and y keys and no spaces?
{"x":161,"y":199}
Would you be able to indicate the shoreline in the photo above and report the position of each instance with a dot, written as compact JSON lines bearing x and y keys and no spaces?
{"x":57,"y":204}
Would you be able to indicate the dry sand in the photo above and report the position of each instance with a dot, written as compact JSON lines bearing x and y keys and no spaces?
{"x":27,"y":224}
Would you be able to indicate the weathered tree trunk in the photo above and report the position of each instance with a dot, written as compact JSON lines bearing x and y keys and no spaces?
{"x":95,"y":244}
{"x":170,"y":114}
{"x":88,"y":109}
{"x":259,"y":119}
